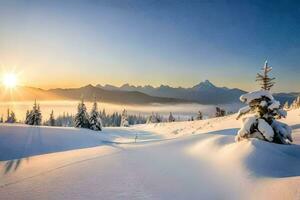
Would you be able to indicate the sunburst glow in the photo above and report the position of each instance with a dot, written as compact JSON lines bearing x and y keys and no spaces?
{"x":10,"y":80}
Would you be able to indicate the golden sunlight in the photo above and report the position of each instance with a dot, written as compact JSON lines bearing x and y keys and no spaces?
{"x":10,"y":80}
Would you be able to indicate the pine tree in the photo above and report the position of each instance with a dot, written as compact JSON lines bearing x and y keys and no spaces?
{"x":51,"y":119}
{"x":263,"y":124}
{"x":8,"y":116}
{"x":34,"y":117}
{"x":82,"y":118}
{"x":266,"y":81}
{"x":199,"y":116}
{"x":38,"y":116}
{"x":154,"y":118}
{"x":95,"y":119}
{"x":12,"y":117}
{"x":159,"y":118}
{"x":296,"y":103}
{"x":124,"y":119}
{"x":1,"y":119}
{"x":286,"y":105}
{"x":171,"y":118}
{"x":220,"y":112}
{"x":27,"y":117}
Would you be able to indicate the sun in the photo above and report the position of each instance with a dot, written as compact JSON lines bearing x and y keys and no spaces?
{"x":10,"y":80}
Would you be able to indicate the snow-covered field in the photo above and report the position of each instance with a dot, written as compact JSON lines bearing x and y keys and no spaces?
{"x":180,"y":160}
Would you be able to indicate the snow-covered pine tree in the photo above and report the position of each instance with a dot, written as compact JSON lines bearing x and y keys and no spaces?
{"x":95,"y":119}
{"x":159,"y":118}
{"x":171,"y":118}
{"x":81,"y":118}
{"x":124,"y":119}
{"x":199,"y":116}
{"x":34,"y":117}
{"x":51,"y":119}
{"x":8,"y":116}
{"x":27,"y":118}
{"x":149,"y":119}
{"x":220,"y":112}
{"x":263,"y":124}
{"x":38,"y":116}
{"x":12,"y":117}
{"x":296,"y":103}
{"x":286,"y":105}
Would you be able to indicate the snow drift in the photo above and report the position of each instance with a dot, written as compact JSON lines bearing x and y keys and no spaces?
{"x":188,"y":160}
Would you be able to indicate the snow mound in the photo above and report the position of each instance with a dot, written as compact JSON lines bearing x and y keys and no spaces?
{"x":19,"y":141}
{"x":253,"y":156}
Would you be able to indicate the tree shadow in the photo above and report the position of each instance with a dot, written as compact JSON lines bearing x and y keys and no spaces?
{"x":228,"y":132}
{"x":13,"y":165}
{"x":274,"y":160}
{"x":266,"y":159}
{"x":296,"y":126}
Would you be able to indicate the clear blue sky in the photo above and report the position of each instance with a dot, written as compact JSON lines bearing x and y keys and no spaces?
{"x":180,"y":43}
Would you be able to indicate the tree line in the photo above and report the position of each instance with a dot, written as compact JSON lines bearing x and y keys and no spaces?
{"x":96,"y":119}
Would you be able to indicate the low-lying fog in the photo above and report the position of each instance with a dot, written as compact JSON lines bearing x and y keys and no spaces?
{"x":183,"y":111}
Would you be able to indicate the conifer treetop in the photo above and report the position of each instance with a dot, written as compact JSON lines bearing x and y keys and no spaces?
{"x":265,"y":81}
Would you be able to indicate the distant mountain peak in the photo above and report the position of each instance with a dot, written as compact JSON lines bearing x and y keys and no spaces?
{"x":88,"y":86}
{"x":204,"y":85}
{"x":125,"y":85}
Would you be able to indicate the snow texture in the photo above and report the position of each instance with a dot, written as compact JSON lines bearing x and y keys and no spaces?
{"x":248,"y":97}
{"x":178,"y":160}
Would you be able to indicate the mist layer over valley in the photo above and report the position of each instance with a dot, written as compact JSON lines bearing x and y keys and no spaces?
{"x":181,"y":111}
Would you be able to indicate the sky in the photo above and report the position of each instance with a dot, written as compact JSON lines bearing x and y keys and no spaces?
{"x":178,"y":43}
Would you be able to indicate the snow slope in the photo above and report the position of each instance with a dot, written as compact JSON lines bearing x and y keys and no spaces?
{"x":181,"y":160}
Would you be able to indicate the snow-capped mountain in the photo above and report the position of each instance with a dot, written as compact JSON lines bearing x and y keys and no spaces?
{"x":205,"y":92}
{"x":205,"y":85}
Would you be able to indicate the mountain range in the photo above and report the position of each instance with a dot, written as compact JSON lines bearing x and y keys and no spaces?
{"x":203,"y":93}
{"x":89,"y":92}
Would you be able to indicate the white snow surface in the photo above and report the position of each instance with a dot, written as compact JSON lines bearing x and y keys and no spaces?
{"x":265,"y":129}
{"x":275,"y":105}
{"x":248,"y":97}
{"x":178,"y":160}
